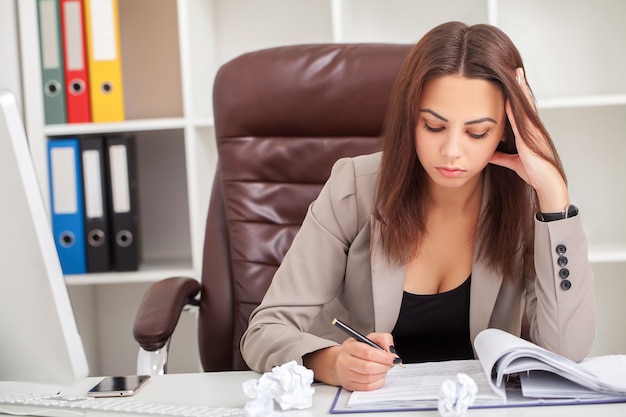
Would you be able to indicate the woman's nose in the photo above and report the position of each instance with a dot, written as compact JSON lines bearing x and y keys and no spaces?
{"x":451,"y":147}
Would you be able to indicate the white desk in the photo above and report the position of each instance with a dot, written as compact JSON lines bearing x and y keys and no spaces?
{"x":224,"y":389}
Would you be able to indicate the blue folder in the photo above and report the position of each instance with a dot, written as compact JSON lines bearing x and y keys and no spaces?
{"x":66,"y":203}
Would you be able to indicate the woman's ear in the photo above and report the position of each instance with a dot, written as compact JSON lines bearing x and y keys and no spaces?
{"x":519,"y":75}
{"x":507,"y":146}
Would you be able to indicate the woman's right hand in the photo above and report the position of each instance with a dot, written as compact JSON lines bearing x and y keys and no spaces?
{"x":353,"y":365}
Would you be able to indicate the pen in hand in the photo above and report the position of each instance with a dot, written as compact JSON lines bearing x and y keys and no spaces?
{"x":358,"y":336}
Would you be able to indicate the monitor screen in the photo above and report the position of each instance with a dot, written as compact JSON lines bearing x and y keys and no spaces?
{"x":39,"y":339}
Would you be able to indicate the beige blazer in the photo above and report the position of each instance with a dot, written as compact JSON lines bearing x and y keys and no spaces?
{"x":330,"y":271}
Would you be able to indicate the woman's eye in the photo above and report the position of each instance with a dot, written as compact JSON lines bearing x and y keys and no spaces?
{"x":432,"y":129}
{"x":479,"y":135}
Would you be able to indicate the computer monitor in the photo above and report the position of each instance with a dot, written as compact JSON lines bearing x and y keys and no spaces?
{"x":39,"y":339}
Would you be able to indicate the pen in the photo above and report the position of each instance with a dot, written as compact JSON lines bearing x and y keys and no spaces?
{"x":358,"y":336}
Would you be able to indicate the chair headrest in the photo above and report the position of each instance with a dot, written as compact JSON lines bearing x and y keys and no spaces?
{"x":307,"y":90}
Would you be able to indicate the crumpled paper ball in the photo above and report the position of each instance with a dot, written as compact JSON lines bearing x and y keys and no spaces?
{"x":456,"y":396}
{"x":262,"y":406}
{"x":290,"y":385}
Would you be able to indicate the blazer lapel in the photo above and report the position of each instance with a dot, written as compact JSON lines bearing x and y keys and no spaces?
{"x":485,"y":283}
{"x":387,"y":285}
{"x":483,"y":294}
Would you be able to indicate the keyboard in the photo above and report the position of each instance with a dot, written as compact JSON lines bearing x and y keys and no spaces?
{"x":32,"y":404}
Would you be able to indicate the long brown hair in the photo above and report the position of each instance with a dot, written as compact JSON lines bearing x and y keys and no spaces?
{"x":505,"y":230}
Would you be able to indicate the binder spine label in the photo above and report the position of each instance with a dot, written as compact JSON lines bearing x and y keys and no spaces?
{"x":63,"y":178}
{"x":51,"y":56}
{"x":94,"y":206}
{"x":74,"y":30}
{"x":104,"y":37}
{"x":120,"y":192}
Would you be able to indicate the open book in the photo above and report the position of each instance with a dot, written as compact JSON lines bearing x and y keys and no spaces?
{"x":510,"y":372}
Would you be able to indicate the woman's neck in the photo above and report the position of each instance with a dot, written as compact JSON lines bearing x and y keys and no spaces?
{"x":458,"y":200}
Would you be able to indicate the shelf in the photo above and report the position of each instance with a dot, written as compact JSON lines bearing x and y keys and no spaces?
{"x":611,"y":254}
{"x":125,"y":126}
{"x":149,"y":272}
{"x":582,"y":101}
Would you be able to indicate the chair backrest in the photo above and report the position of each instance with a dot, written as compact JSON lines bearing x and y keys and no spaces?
{"x":283,"y":116}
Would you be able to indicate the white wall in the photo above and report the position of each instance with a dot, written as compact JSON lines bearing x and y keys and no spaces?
{"x":9,"y":52}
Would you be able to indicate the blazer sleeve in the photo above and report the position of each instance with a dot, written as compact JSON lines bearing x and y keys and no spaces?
{"x":560,"y":304}
{"x":309,"y":277}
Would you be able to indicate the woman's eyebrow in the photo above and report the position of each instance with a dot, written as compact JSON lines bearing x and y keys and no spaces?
{"x":471,"y":122}
{"x":482,"y":119}
{"x":437,"y":115}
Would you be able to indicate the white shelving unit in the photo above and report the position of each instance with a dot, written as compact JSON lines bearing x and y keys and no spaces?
{"x":171,"y":50}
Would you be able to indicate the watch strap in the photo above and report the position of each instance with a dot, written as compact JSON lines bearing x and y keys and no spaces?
{"x":569,"y":211}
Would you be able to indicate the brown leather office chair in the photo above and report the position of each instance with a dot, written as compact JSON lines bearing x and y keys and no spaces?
{"x":283,"y":116}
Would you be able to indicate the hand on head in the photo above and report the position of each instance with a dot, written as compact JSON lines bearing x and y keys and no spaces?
{"x":542,"y":175}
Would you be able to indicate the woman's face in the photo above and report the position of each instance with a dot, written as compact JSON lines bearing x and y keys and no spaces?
{"x":460,"y":122}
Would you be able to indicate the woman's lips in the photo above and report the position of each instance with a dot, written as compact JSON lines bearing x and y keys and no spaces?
{"x":450,"y":172}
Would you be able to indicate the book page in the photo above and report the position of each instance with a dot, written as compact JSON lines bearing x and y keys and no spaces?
{"x":511,"y":355}
{"x":491,"y":345}
{"x":542,"y":384}
{"x":610,"y":369}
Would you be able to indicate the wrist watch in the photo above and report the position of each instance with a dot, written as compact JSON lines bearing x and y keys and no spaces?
{"x":569,"y":211}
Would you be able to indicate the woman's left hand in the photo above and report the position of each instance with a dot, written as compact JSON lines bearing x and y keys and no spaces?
{"x":542,"y":175}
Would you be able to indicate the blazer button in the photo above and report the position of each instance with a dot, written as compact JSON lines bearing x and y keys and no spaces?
{"x":566,"y":285}
{"x":564,"y":272}
{"x":561,"y":249}
{"x":562,"y":261}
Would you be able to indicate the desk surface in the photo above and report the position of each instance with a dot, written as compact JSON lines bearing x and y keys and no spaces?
{"x":224,"y":389}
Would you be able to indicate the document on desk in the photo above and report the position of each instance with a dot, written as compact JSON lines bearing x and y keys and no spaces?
{"x":415,"y":387}
{"x":511,"y":372}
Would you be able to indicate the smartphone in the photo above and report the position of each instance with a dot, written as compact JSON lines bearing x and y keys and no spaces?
{"x":118,"y":386}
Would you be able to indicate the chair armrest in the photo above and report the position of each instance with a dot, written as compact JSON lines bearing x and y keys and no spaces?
{"x":160,"y":310}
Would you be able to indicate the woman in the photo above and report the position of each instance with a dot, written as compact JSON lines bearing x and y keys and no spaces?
{"x":463,"y":222}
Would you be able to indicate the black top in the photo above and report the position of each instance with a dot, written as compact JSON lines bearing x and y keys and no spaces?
{"x":434,"y":327}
